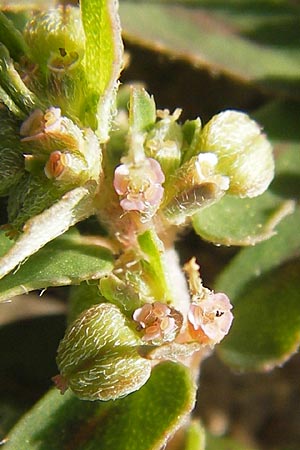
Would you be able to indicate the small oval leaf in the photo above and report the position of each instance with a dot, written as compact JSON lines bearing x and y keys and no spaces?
{"x":266,"y":330}
{"x":237,"y":221}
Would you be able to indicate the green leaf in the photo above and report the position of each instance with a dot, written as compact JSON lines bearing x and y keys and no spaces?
{"x":143,"y":420}
{"x":280,"y":119}
{"x":250,"y":263}
{"x":155,"y":264}
{"x":266,"y":329}
{"x":261,"y":280}
{"x":11,"y":153}
{"x":142,"y":114}
{"x":66,"y":260}
{"x":103,"y":56}
{"x":74,"y":206}
{"x":263,"y":284}
{"x":261,"y":37}
{"x":236,"y":221}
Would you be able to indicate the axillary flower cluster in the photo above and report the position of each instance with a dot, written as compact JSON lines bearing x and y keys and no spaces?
{"x":166,"y":173}
{"x":140,"y":186}
{"x":207,"y":321}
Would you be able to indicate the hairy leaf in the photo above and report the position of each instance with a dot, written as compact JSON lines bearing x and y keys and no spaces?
{"x":236,"y":221}
{"x":66,"y":260}
{"x":143,"y":420}
{"x":103,"y":57}
{"x":74,"y":206}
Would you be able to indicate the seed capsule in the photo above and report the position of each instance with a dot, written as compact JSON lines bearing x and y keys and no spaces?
{"x":243,"y":151}
{"x":98,"y":357}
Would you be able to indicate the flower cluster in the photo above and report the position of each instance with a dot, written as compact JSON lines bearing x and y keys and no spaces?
{"x":209,"y":317}
{"x":70,"y":155}
{"x":39,"y":124}
{"x":159,"y":322}
{"x":140,"y":186}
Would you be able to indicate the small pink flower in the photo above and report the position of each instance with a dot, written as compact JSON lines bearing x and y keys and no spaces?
{"x":210,"y":319}
{"x":38,"y":124}
{"x":159,"y":322}
{"x":52,"y":118}
{"x":140,"y":186}
{"x":56,"y":164}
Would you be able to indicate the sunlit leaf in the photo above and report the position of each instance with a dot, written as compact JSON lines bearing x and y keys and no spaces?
{"x":235,"y":221}
{"x":142,"y":420}
{"x":74,"y":206}
{"x":66,"y":260}
{"x":154,"y":263}
{"x":142,"y":110}
{"x":103,"y":57}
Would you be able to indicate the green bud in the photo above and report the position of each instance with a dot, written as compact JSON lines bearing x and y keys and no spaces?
{"x":98,"y":357}
{"x":187,"y":203}
{"x":244,"y":153}
{"x":120,"y":293}
{"x":194,"y":185}
{"x":56,"y":38}
{"x":164,"y":142}
{"x":141,"y":110}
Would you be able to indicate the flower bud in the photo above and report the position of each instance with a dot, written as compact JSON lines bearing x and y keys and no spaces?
{"x":98,"y":357}
{"x":195,"y":185}
{"x":164,"y":142}
{"x":244,"y":153}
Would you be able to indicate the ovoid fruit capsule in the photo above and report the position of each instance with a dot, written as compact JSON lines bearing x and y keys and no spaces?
{"x":98,"y":357}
